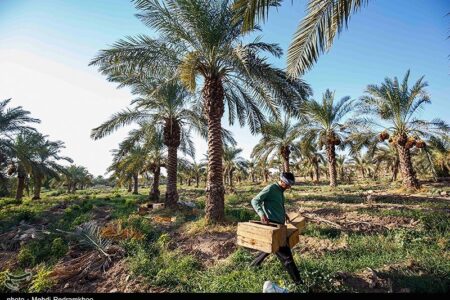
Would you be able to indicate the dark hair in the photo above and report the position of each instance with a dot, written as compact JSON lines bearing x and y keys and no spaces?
{"x":288,"y":175}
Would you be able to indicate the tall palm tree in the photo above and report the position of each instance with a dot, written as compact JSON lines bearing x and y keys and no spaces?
{"x":24,"y":150}
{"x":198,"y":39}
{"x":324,"y":124}
{"x":315,"y":33}
{"x":12,"y":121}
{"x":168,"y":106}
{"x":277,"y":140}
{"x":396,"y":104}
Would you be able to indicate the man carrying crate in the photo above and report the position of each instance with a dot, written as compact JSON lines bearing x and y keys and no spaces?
{"x":269,"y":205}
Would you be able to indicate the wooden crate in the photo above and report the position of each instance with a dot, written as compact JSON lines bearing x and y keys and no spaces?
{"x":263,"y":237}
{"x":294,"y":228}
{"x":297,"y":221}
{"x":293,"y":237}
{"x":158,"y":205}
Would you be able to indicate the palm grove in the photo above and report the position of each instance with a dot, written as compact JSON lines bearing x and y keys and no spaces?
{"x":29,"y":160}
{"x":200,"y":67}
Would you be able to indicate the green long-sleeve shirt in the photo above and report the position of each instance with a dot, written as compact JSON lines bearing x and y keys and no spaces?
{"x":270,"y":202}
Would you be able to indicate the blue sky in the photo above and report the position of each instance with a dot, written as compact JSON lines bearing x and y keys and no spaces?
{"x":46,"y":45}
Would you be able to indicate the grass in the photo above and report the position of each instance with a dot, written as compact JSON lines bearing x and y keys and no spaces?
{"x":415,"y":258}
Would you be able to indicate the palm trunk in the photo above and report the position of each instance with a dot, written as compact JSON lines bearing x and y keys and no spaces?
{"x":197,"y":179}
{"x":136,"y":183}
{"x":214,"y":108}
{"x":231,"y":178}
{"x":316,"y":170}
{"x":171,"y":192}
{"x":331,"y":155}
{"x":37,"y":188}
{"x":20,"y":182}
{"x":395,"y":168}
{"x":266,"y":176}
{"x":155,"y":193}
{"x":285,"y":155}
{"x":172,"y":138}
{"x":130,"y":186}
{"x":408,"y":174}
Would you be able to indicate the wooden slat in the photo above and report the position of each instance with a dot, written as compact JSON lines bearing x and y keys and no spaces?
{"x":257,"y":245}
{"x":252,"y":230}
{"x":293,"y":237}
{"x":297,"y":221}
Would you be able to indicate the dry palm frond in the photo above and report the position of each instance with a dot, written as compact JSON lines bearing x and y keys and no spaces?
{"x":114,"y":230}
{"x":88,"y":234}
{"x":100,"y":258}
{"x":91,"y":261}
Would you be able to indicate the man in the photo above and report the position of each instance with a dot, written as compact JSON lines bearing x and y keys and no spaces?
{"x":269,"y":205}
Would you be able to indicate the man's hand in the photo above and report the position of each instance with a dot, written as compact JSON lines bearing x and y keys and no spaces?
{"x":264,"y":219}
{"x":287,"y":219}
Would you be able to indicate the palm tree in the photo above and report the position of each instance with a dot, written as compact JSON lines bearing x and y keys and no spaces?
{"x":197,"y":170}
{"x":232,"y":162}
{"x":363,"y":163}
{"x":278,"y":139}
{"x":24,"y":150}
{"x":76,"y":176}
{"x":396,"y":104}
{"x":389,"y":156}
{"x":341,"y":163}
{"x":12,"y":121}
{"x":440,"y":151}
{"x":308,"y":152}
{"x":46,"y":165}
{"x":199,"y":39}
{"x":141,"y":151}
{"x":323,"y":124}
{"x":168,"y":106}
{"x":315,"y":34}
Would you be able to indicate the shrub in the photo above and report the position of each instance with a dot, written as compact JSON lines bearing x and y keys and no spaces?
{"x":26,"y":258}
{"x":41,"y":282}
{"x":59,"y":248}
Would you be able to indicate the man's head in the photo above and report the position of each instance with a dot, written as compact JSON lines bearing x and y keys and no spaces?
{"x":287,"y":180}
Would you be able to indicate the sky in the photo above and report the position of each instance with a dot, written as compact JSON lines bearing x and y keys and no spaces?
{"x":46,"y":46}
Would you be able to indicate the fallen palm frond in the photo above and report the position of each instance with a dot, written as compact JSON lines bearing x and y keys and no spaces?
{"x":77,"y":268}
{"x":13,"y":282}
{"x":346,"y":225}
{"x":115,"y":231}
{"x":318,"y":219}
{"x":98,"y":259}
{"x":88,"y":234}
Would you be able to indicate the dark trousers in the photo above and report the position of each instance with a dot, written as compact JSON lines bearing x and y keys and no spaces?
{"x":284,"y":254}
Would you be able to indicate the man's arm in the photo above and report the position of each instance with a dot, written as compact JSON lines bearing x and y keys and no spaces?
{"x":258,"y":203}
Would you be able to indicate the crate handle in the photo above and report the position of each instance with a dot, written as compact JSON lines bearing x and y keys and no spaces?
{"x":270,"y":223}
